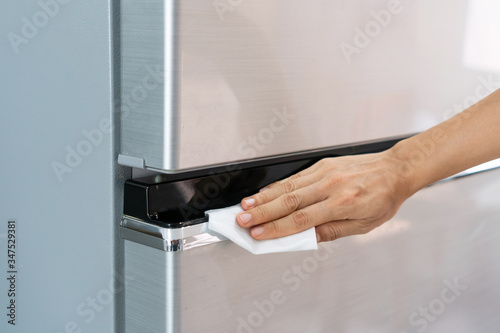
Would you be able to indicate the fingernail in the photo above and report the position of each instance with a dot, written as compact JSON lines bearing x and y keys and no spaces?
{"x":249,"y":202}
{"x":318,"y":237}
{"x":245,"y":218}
{"x":264,"y":189}
{"x":257,"y":231}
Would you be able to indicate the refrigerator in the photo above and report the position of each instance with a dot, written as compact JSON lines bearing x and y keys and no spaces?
{"x":123,"y":122}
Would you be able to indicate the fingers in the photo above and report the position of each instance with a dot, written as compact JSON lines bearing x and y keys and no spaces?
{"x":280,"y":207}
{"x":278,"y":189}
{"x":306,"y":172}
{"x":282,"y":186}
{"x":340,"y":197}
{"x":295,"y":222}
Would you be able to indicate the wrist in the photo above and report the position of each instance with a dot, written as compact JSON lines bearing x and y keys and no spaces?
{"x":405,"y":167}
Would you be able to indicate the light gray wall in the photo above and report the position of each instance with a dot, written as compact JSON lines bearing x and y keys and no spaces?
{"x":54,"y":85}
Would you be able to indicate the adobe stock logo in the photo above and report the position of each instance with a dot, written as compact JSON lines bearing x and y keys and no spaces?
{"x":265,"y":136}
{"x":425,"y":315}
{"x":31,"y":27}
{"x":373,"y":28}
{"x":293,"y":278}
{"x":84,"y":148}
{"x":93,"y":138}
{"x":223,"y":6}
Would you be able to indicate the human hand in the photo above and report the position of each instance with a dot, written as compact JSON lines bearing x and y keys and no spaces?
{"x":340,"y":196}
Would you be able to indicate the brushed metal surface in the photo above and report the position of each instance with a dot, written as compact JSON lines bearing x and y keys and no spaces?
{"x":433,"y":268}
{"x":152,"y":302}
{"x":251,"y":79}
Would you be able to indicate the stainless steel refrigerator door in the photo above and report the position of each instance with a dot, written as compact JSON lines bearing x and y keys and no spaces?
{"x":433,"y":268}
{"x":208,"y":83}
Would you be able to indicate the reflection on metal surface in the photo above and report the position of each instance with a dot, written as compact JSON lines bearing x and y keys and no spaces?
{"x":167,"y":239}
{"x":480,"y":168}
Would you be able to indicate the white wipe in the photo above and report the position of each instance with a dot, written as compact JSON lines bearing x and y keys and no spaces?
{"x":223,"y":221}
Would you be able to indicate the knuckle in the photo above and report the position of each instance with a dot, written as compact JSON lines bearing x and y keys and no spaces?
{"x":301,"y":219}
{"x":262,"y":197}
{"x":288,"y":186}
{"x":357,"y":191}
{"x":351,"y":196}
{"x":332,"y":232}
{"x":331,"y":181}
{"x":347,"y":200}
{"x":261,"y":212}
{"x":291,"y":202}
{"x":273,"y":227}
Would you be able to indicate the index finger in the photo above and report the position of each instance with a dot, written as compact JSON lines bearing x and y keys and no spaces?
{"x":300,"y":220}
{"x":276,"y":191}
{"x":269,"y":193}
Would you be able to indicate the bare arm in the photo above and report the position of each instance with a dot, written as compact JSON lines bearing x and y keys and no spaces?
{"x":355,"y":194}
{"x":470,"y":138}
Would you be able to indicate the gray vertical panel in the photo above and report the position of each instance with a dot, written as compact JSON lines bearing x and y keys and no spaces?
{"x":54,"y":88}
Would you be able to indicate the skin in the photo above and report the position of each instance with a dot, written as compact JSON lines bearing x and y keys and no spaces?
{"x":352,"y":195}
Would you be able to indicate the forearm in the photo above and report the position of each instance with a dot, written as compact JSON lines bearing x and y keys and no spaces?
{"x":354,"y":194}
{"x":469,"y":138}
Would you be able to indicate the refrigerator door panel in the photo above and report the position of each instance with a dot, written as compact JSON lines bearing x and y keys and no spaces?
{"x":209,"y":83}
{"x":433,"y":268}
